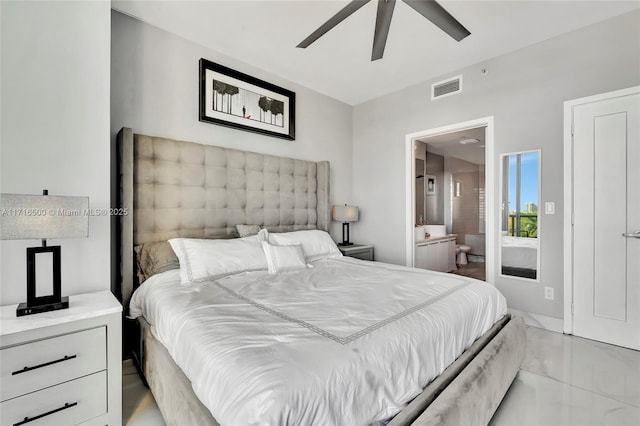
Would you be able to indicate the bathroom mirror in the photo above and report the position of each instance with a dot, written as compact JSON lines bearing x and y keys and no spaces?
{"x":520,"y":225}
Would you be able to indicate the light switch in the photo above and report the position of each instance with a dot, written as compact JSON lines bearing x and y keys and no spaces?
{"x":549,"y":207}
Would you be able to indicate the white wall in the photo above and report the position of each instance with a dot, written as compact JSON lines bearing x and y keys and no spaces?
{"x":154,"y":90}
{"x":55,"y":128}
{"x":524,"y":91}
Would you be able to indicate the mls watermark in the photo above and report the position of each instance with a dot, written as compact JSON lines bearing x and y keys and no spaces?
{"x":65,"y":212}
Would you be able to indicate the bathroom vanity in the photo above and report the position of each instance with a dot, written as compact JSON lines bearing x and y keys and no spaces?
{"x":437,"y":253}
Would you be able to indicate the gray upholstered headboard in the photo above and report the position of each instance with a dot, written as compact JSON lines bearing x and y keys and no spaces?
{"x":183,"y":189}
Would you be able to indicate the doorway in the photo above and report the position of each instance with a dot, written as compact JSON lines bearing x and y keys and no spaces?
{"x":462,"y":180}
{"x":602,"y":224}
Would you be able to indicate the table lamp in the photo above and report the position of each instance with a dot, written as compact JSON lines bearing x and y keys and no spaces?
{"x":345,"y":214}
{"x":41,"y":217}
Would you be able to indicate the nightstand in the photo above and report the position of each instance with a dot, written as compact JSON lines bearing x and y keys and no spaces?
{"x":359,"y":251}
{"x":63,"y":367}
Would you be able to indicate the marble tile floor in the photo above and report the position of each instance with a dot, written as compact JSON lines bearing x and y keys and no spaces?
{"x":564,"y":380}
{"x":568,"y":380}
{"x":138,"y":406}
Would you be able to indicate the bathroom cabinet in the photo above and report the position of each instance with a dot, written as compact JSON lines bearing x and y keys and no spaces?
{"x":436,"y":254}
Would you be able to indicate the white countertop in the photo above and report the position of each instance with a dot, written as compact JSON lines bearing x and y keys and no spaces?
{"x":81,"y":306}
{"x":432,"y":239}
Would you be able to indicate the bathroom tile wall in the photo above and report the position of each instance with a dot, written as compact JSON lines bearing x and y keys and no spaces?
{"x":434,"y":204}
{"x":467,"y":216}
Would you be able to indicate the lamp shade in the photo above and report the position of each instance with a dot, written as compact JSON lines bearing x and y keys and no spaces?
{"x":25,"y":217}
{"x":344,"y":213}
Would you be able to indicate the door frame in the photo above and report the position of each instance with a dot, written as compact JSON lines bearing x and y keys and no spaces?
{"x":568,"y":195}
{"x":489,"y":175}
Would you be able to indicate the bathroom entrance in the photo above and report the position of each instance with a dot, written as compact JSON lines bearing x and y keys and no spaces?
{"x":450,"y":199}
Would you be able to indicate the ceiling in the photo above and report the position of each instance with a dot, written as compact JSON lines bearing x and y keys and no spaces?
{"x":448,"y":145}
{"x":264,"y":34}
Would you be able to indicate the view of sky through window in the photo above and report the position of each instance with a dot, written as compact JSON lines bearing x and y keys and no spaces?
{"x":529,"y":180}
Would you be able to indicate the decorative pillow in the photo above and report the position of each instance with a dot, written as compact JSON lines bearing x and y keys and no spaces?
{"x":316,"y":244}
{"x":284,"y":258}
{"x":202,"y":259}
{"x":154,"y":258}
{"x":248,"y":230}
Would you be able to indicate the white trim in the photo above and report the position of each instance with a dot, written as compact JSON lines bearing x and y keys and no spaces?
{"x":539,"y":321}
{"x":539,"y":225}
{"x":489,"y":172}
{"x":410,"y":200}
{"x":446,"y":80}
{"x":568,"y":194}
{"x":567,"y":234}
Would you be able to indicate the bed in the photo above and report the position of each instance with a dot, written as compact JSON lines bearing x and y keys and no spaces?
{"x":519,"y":256}
{"x":181,"y":191}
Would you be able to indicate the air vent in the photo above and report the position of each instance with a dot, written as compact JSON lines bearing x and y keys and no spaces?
{"x":447,"y":87}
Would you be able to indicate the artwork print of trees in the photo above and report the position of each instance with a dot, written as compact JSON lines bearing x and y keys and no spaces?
{"x":232,"y":100}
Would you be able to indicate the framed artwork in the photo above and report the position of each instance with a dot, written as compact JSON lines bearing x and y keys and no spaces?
{"x":231,"y":98}
{"x":430,"y":187}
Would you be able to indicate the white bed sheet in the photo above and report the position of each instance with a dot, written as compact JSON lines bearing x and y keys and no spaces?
{"x":347,"y":342}
{"x":519,"y":252}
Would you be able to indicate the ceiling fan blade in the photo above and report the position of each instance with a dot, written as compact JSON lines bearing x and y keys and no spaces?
{"x":333,"y":21}
{"x":431,"y":10}
{"x":383,"y":22}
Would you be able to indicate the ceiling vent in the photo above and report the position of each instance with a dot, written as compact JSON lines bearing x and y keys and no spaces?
{"x":447,"y":87}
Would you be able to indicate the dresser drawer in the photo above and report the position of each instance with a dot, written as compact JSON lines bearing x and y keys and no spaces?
{"x":70,"y":403}
{"x":36,"y":365}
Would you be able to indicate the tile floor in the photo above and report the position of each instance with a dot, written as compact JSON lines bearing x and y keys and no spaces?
{"x":564,"y":380}
{"x":472,"y":269}
{"x":138,"y":406}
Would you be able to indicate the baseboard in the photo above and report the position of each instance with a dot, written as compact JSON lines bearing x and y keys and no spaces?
{"x":540,"y":321}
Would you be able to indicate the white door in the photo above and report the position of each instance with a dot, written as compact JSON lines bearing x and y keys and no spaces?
{"x":606,"y":209}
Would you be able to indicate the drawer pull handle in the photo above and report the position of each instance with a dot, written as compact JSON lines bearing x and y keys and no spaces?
{"x":39,"y":416}
{"x":24,"y":370}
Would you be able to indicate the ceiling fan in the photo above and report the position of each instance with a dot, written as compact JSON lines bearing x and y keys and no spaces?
{"x":430,"y":9}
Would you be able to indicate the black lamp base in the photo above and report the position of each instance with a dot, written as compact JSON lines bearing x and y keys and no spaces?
{"x":25,"y":309}
{"x":52,"y":302}
{"x":345,"y":235}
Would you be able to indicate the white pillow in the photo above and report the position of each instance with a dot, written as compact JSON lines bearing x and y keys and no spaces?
{"x":201,"y":259}
{"x":316,"y":244}
{"x":284,"y":258}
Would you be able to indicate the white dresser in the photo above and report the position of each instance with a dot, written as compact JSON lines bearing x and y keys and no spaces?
{"x":62,"y":367}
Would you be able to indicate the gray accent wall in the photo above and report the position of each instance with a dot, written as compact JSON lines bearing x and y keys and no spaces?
{"x":524,"y":91}
{"x":154,"y":90}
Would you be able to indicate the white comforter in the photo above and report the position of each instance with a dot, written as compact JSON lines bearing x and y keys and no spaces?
{"x":347,"y":342}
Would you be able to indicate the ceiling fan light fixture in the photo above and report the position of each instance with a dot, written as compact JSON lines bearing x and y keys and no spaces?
{"x":430,"y":9}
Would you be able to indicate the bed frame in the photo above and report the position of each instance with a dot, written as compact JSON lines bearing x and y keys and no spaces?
{"x":182,"y":189}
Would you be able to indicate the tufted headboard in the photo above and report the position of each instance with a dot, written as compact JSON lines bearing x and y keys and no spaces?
{"x":182,"y":189}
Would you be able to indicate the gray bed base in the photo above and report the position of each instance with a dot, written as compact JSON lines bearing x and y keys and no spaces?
{"x":467,"y":393}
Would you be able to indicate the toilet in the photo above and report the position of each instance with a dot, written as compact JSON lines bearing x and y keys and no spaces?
{"x":462,"y":251}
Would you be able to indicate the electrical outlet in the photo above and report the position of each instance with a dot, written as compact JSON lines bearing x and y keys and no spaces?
{"x":548,"y":293}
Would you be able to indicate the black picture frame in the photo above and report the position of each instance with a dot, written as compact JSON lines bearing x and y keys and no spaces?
{"x":266,"y":108}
